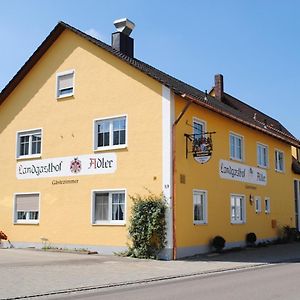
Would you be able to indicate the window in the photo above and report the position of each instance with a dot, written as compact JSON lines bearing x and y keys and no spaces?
{"x":26,"y":208}
{"x":262,"y":155}
{"x":65,"y":84}
{"x":279,"y":161}
{"x":200,"y":207}
{"x":238,"y":209}
{"x":111,"y":133}
{"x":29,"y":143}
{"x":236,"y":147}
{"x":108,"y":207}
{"x":267,"y":206}
{"x":199,"y":128}
{"x":257,"y":204}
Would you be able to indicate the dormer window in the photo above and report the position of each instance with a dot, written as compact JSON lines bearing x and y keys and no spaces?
{"x":65,"y":84}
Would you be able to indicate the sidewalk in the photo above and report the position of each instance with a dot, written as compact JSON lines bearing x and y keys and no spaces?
{"x":30,"y":272}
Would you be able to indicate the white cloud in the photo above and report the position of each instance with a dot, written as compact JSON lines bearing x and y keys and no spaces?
{"x":94,"y":33}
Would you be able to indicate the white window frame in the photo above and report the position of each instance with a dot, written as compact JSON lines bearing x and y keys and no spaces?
{"x":205,"y":218}
{"x":110,"y":146}
{"x":30,"y":133}
{"x":277,"y":151}
{"x":257,"y":201}
{"x":57,"y":92}
{"x":15,"y":213}
{"x":243,"y":216}
{"x":237,"y":136}
{"x":199,"y":121}
{"x":263,"y":146}
{"x":267,"y":207}
{"x":109,"y":221}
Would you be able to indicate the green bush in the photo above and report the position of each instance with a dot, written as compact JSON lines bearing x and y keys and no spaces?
{"x":218,"y":243}
{"x":147,"y":229}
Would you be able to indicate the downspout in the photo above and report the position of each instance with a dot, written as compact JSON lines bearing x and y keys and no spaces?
{"x":190,"y":101}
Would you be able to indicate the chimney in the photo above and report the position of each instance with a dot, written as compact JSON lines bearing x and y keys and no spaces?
{"x":120,"y":39}
{"x":219,"y":87}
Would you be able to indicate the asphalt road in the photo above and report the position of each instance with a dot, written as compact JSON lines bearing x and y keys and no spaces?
{"x":280,"y":281}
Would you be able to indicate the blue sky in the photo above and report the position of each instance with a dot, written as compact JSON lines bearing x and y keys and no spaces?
{"x":255,"y":44}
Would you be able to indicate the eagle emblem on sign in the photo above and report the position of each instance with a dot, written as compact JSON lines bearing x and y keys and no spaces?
{"x":75,"y":165}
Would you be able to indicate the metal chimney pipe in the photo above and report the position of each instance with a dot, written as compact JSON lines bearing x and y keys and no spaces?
{"x":121,"y":41}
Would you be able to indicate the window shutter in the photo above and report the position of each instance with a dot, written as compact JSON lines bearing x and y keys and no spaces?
{"x":65,"y":81}
{"x":28,"y":202}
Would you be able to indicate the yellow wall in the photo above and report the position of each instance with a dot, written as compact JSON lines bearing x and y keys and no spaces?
{"x":104,"y":86}
{"x":206,"y":177}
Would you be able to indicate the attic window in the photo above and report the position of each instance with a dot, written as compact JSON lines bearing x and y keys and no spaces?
{"x":65,"y":84}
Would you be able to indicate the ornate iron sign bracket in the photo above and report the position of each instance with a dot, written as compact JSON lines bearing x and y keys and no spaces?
{"x":200,"y":145}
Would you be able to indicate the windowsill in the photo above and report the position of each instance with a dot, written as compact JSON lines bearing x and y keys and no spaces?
{"x":25,"y":157}
{"x":263,"y":167}
{"x":238,"y":223}
{"x":279,"y":171}
{"x":108,"y":148}
{"x":24,"y":222}
{"x":200,"y":223}
{"x":108,"y":223}
{"x":237,"y":159}
{"x":64,"y":96}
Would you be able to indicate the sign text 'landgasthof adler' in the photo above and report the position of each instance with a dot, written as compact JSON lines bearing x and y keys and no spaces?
{"x":90,"y":164}
{"x":239,"y":172}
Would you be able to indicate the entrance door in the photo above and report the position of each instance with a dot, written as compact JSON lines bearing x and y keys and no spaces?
{"x":297,"y":202}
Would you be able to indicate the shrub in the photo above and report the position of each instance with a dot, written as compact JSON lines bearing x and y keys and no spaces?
{"x":147,"y":229}
{"x":218,"y":243}
{"x":289,"y":233}
{"x":251,"y":239}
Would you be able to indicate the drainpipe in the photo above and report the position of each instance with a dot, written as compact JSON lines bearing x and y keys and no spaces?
{"x":190,"y":101}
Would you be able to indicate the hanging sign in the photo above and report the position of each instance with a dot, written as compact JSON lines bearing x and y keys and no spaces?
{"x":239,"y":172}
{"x":201,"y":146}
{"x":90,"y":164}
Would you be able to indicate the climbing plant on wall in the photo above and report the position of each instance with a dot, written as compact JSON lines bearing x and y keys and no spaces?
{"x":147,"y":229}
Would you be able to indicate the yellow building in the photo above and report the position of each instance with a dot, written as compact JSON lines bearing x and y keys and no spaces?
{"x":84,"y":125}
